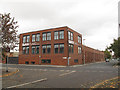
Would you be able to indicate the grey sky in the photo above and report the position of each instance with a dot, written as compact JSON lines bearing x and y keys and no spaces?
{"x":96,"y":20}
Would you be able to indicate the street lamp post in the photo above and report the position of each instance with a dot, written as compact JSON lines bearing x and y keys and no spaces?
{"x":7,"y":63}
{"x":84,"y":50}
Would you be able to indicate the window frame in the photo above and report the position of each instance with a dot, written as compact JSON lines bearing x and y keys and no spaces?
{"x":48,"y":36}
{"x":57,"y":48}
{"x":61,"y":47}
{"x":37,"y":37}
{"x":61,"y":35}
{"x":56,"y":35}
{"x":33,"y":38}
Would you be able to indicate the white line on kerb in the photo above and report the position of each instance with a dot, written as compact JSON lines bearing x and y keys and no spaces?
{"x":28,"y":83}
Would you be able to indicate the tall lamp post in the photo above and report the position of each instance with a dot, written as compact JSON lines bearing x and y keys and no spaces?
{"x":84,"y":50}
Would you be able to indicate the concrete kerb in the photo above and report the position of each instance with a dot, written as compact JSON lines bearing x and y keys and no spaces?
{"x":11,"y":73}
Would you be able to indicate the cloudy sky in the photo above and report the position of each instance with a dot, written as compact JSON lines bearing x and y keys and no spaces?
{"x":96,"y":20}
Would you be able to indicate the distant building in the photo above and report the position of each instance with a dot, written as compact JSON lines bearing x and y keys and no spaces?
{"x":54,"y":46}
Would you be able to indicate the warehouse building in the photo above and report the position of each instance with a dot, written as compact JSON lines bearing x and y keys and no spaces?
{"x":56,"y":46}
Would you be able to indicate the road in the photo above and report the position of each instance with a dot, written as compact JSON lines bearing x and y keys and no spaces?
{"x":78,"y":76}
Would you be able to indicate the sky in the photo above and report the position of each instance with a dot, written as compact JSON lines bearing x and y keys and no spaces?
{"x":96,"y":20}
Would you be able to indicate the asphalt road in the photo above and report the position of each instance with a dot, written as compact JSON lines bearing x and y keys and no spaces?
{"x":78,"y":76}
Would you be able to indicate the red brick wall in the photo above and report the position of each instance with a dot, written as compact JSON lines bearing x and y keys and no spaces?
{"x":57,"y":59}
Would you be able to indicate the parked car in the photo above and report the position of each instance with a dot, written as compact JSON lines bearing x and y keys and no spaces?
{"x":107,"y":60}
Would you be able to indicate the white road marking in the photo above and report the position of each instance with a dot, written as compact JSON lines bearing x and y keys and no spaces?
{"x":28,"y":83}
{"x":67,"y":73}
{"x":61,"y":70}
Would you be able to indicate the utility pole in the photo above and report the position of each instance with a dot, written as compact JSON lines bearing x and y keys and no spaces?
{"x":84,"y":50}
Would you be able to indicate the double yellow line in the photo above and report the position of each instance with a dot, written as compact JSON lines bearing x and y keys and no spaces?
{"x":95,"y":86}
{"x":4,"y":75}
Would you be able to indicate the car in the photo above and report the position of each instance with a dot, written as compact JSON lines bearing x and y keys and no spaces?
{"x":107,"y":60}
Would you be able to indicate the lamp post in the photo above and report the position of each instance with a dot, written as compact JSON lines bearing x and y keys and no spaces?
{"x":84,"y":50}
{"x":7,"y":62}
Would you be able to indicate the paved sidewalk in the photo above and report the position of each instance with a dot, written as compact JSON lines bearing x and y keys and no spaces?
{"x":110,"y":83}
{"x":11,"y":71}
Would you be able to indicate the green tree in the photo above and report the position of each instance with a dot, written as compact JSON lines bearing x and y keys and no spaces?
{"x":107,"y":54}
{"x":115,"y":47}
{"x":8,"y":32}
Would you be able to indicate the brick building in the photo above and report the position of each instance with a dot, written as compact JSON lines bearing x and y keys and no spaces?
{"x":54,"y":46}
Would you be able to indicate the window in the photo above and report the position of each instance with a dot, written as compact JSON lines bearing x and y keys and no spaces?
{"x":43,"y":61}
{"x":56,"y":35}
{"x":44,"y":36}
{"x":27,"y":50}
{"x":32,"y":62}
{"x":49,"y":36}
{"x":46,"y":60}
{"x":26,"y":62}
{"x":23,"y":50}
{"x":61,"y":36}
{"x":56,"y":48}
{"x":75,"y":60}
{"x":79,"y":39}
{"x":70,"y":35}
{"x":79,"y":50}
{"x":24,"y":39}
{"x":33,"y":49}
{"x":48,"y":48}
{"x":44,"y":49}
{"x":71,"y":48}
{"x":33,"y":38}
{"x":28,"y":38}
{"x":37,"y":49}
{"x":61,"y":48}
{"x":37,"y":37}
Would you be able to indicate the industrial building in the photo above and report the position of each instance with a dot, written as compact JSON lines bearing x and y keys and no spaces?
{"x":56,"y":46}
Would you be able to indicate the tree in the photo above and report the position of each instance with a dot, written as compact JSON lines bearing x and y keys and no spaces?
{"x":115,"y":47}
{"x":107,"y":54}
{"x":8,"y":32}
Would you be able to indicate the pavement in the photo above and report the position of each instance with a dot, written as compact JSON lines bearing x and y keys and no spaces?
{"x":78,"y":76}
{"x":10,"y":71}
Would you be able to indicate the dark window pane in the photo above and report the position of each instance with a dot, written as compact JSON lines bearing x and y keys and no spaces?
{"x":61,"y":48}
{"x":71,"y":36}
{"x":27,"y":50}
{"x":32,"y":62}
{"x":69,"y":48}
{"x":72,"y":48}
{"x":56,"y":35}
{"x":76,"y":61}
{"x":79,"y":39}
{"x":68,"y":35}
{"x":26,"y":62}
{"x":37,"y":37}
{"x":56,"y":48}
{"x":48,"y":48}
{"x":33,"y":49}
{"x":44,"y":36}
{"x":48,"y":36}
{"x":44,"y":49}
{"x":37,"y":49}
{"x":48,"y":61}
{"x":28,"y":38}
{"x":23,"y":50}
{"x":33,"y":38}
{"x":61,"y":34}
{"x":24,"y":39}
{"x":43,"y":61}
